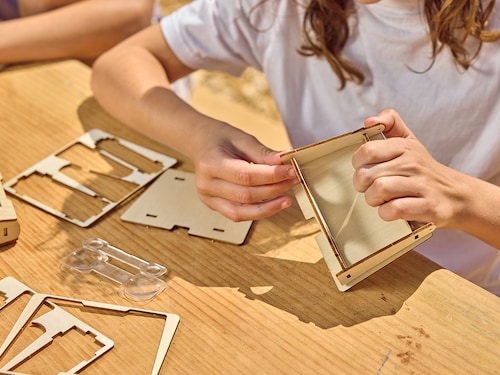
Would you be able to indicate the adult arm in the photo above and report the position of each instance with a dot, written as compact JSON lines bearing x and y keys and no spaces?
{"x":81,"y":29}
{"x":400,"y":177}
{"x":235,"y":174}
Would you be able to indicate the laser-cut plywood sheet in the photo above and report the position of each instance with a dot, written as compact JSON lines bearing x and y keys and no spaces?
{"x":46,"y":334}
{"x":9,"y":226}
{"x":354,"y":240}
{"x":89,"y":177}
{"x":172,"y":201}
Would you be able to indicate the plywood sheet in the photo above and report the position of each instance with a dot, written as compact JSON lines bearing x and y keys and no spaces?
{"x":90,"y":176}
{"x":172,"y":201}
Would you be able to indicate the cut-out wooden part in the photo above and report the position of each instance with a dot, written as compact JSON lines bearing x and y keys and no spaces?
{"x":60,"y":316}
{"x":88,"y":177}
{"x":9,"y":226}
{"x":354,"y":240}
{"x":54,"y":321}
{"x":172,"y":201}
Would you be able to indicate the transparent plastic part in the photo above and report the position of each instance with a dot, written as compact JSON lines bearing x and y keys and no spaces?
{"x":96,"y":255}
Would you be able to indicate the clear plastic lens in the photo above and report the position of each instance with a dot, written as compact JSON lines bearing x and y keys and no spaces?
{"x":84,"y":259}
{"x":141,"y":288}
{"x":95,"y":244}
{"x":152,"y":270}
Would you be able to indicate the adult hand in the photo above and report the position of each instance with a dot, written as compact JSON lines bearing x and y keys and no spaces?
{"x":240,"y":177}
{"x":401,"y":178}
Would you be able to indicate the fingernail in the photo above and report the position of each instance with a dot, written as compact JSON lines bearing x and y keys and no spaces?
{"x":291,"y":172}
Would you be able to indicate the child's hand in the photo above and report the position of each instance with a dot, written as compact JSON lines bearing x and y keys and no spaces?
{"x":240,"y":177}
{"x":399,"y":176}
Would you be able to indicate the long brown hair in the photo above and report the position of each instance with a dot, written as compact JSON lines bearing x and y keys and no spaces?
{"x":451,"y":24}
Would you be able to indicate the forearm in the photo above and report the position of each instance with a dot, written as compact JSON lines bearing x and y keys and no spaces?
{"x":480,"y":210}
{"x":132,"y":86}
{"x":236,"y":175}
{"x":81,"y":30}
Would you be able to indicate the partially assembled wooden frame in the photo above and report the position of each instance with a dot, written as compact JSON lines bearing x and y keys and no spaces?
{"x":354,"y":240}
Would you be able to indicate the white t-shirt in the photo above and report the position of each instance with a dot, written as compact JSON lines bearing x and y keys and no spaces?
{"x":454,"y":113}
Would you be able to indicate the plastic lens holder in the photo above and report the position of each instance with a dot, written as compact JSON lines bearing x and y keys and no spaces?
{"x":96,"y":255}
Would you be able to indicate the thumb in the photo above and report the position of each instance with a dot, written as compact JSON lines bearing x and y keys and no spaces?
{"x":394,"y":125}
{"x":258,"y":153}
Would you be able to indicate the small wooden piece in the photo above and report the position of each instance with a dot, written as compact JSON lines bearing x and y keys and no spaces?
{"x":9,"y":226}
{"x":172,"y":201}
{"x":354,"y":240}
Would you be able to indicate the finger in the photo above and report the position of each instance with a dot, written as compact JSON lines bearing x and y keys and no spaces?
{"x":244,"y":173}
{"x":244,"y":194}
{"x":243,"y":212}
{"x":394,"y":124}
{"x":386,"y":189}
{"x":250,"y":149}
{"x":378,"y":151}
{"x":410,"y":209}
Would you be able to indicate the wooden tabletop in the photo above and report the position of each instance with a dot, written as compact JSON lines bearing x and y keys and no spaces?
{"x":269,"y":306}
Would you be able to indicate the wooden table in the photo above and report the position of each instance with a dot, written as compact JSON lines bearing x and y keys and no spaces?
{"x":268,"y":306}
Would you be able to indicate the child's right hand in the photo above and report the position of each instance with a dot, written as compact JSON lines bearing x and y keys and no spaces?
{"x":238,"y":176}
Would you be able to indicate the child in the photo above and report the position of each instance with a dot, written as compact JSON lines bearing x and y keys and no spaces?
{"x":330,"y":64}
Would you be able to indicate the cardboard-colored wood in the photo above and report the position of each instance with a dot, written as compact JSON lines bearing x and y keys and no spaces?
{"x":53,"y":315}
{"x":9,"y":226}
{"x":101,"y":189}
{"x":172,"y":201}
{"x":269,"y":306}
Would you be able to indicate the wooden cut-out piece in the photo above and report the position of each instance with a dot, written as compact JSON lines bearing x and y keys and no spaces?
{"x":89,"y":177}
{"x":59,"y":320}
{"x":9,"y":226}
{"x":354,"y":240}
{"x":172,"y":201}
{"x":55,"y":322}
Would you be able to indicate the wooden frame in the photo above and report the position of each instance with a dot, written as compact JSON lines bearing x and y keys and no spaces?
{"x":88,"y":177}
{"x":354,"y":240}
{"x":57,"y":320}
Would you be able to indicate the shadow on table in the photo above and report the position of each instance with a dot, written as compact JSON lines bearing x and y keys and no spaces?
{"x":304,"y":289}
